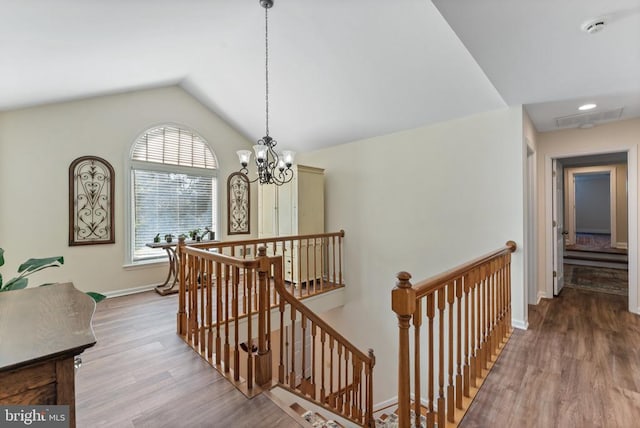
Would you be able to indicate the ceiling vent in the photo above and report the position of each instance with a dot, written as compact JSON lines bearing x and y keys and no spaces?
{"x":585,"y":120}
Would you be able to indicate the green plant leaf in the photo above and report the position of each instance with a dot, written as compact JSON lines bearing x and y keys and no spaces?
{"x":1,"y":258}
{"x":34,"y":265}
{"x":16,"y":284}
{"x":97,"y":297}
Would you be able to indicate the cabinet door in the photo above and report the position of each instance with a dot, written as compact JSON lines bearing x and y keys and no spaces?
{"x":286,"y":209}
{"x":267,"y":211}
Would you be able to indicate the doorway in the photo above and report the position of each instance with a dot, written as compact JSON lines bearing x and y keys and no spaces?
{"x":620,"y":226}
{"x":594,"y":202}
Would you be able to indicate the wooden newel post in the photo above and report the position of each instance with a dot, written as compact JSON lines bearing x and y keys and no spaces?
{"x":182,"y":313}
{"x":403,"y":303}
{"x":263,"y":359}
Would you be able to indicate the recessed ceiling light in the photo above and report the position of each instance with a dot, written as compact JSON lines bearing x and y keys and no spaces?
{"x":589,"y":106}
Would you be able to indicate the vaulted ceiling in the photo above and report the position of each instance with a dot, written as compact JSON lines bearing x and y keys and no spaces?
{"x":339,"y":70}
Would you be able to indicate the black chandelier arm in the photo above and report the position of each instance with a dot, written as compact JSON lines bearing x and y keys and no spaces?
{"x":282,"y":176}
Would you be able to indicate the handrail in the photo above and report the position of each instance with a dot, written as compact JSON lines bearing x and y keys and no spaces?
{"x":352,"y":399}
{"x":248,"y":242}
{"x":468,"y":314}
{"x":425,"y":286}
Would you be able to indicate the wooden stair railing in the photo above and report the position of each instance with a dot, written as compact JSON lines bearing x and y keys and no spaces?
{"x":313,"y":260}
{"x":468,"y":315}
{"x":225,"y":314}
{"x":336,"y":375}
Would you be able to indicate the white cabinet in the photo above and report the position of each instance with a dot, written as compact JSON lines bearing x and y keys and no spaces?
{"x":295,"y":208}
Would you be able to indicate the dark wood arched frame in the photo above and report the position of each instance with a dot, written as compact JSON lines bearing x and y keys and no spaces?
{"x":238,"y":204}
{"x":91,"y":201}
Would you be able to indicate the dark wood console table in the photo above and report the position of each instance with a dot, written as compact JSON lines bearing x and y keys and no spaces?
{"x":170,"y":285}
{"x":42,"y":329}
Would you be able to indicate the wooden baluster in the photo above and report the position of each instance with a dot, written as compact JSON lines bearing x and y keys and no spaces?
{"x":467,"y":332}
{"x":303,"y":364}
{"x":210,"y":307}
{"x":333,"y":250}
{"x":181,"y":316}
{"x":315,"y":264}
{"x":323,"y":392}
{"x":219,"y":312}
{"x":298,"y":262}
{"x":481,"y":310}
{"x":441,"y":400}
{"x":236,"y":319}
{"x":472,"y":329}
{"x":203,"y":302}
{"x":459,"y":390}
{"x":340,"y":256}
{"x":308,"y":270}
{"x":431,"y":312}
{"x":281,"y":369}
{"x":331,"y":347}
{"x":487,"y":316}
{"x":346,"y":401}
{"x":292,"y":372}
{"x":314,"y":363}
{"x":227,"y":318}
{"x":338,"y":401}
{"x":492,"y":303}
{"x":356,"y":367}
{"x":450,"y":288}
{"x":193,"y":292}
{"x":323,"y":262}
{"x":248,"y":274}
{"x":417,"y":323}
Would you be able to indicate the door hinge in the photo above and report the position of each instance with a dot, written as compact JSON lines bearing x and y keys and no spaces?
{"x":553,"y":173}
{"x":555,"y":274}
{"x":554,"y":224}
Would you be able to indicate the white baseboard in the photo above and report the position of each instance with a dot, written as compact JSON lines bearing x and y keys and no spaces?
{"x":520,"y":324}
{"x":386,"y":403}
{"x":541,"y":295}
{"x":127,"y":291}
{"x":622,"y":245}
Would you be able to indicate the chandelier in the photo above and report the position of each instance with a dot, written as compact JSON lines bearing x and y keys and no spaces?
{"x":274,"y":167}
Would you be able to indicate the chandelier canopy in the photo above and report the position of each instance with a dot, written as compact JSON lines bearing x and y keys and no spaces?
{"x":274,"y":166}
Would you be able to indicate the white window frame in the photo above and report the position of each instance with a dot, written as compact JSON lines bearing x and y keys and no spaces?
{"x":131,"y":165}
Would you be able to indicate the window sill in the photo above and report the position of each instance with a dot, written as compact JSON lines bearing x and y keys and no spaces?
{"x":145,"y":264}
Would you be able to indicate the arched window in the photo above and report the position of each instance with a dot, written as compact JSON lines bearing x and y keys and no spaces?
{"x":173,"y":187}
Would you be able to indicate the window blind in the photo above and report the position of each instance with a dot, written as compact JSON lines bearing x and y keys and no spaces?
{"x":170,"y":145}
{"x":170,"y":203}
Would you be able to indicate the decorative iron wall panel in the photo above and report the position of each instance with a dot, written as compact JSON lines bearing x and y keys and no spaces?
{"x":238,"y":204}
{"x":91,"y":193}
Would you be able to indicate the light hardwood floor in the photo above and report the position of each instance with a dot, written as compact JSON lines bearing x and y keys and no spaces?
{"x":141,"y":374}
{"x":578,"y":365}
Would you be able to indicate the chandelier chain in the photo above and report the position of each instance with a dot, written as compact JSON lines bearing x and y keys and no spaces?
{"x":266,"y":67}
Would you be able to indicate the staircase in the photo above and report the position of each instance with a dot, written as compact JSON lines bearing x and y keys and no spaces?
{"x":240,"y":317}
{"x":609,"y":258}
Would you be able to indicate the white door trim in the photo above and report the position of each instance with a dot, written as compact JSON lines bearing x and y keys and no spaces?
{"x":632,"y":189}
{"x":571,"y":173}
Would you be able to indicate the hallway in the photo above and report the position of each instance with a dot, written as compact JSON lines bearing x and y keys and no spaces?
{"x":578,"y":365}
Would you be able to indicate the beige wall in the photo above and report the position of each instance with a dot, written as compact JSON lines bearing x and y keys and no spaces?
{"x":613,"y":137}
{"x":530,"y":154}
{"x":38,"y":144}
{"x":423,"y":200}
